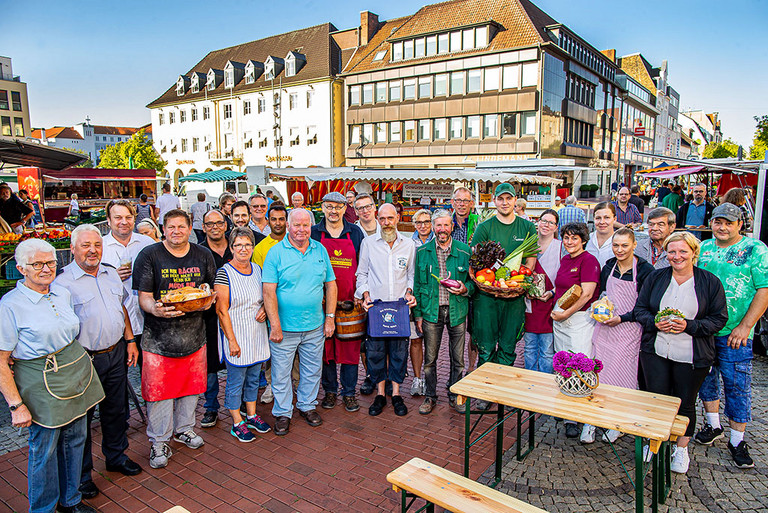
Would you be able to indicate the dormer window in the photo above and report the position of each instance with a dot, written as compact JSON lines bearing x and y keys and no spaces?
{"x":229,"y":78}
{"x":214,"y":79}
{"x":182,"y":84}
{"x":272,"y":67}
{"x":294,"y":61}
{"x":198,"y":80}
{"x":459,"y":39}
{"x":233,"y":74}
{"x":253,"y":70}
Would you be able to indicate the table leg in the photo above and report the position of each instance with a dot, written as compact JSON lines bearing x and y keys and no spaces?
{"x":467,"y":444}
{"x":656,"y":481}
{"x":639,"y":482}
{"x":500,"y":442}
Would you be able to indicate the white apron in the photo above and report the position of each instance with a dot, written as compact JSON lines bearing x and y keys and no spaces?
{"x":574,"y":333}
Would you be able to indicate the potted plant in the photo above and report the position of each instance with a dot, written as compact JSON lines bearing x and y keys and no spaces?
{"x":584,"y":190}
{"x":576,"y":374}
{"x":593,"y":190}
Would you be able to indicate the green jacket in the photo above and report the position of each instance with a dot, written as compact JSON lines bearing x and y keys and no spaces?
{"x":425,"y":287}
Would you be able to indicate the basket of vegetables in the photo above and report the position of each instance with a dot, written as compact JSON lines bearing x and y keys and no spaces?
{"x":501,"y":275}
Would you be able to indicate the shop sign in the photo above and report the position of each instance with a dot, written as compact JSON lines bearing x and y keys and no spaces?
{"x":539,"y":200}
{"x":486,"y":197}
{"x":29,"y":179}
{"x":639,"y":130}
{"x":282,"y":158}
{"x":180,"y":162}
{"x":431,"y":190}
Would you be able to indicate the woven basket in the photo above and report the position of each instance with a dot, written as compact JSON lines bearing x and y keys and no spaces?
{"x":496,"y":291}
{"x":580,"y":384}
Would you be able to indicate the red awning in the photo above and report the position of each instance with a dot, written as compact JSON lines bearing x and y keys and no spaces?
{"x":671,"y":173}
{"x":96,"y":174}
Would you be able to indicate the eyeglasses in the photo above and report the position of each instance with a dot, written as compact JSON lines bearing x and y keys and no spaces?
{"x":461,"y":201}
{"x":334,"y":209}
{"x":421,"y":223}
{"x":38,"y":266}
{"x":258,"y":206}
{"x":238,"y":247}
{"x":544,"y":221}
{"x":369,"y":206}
{"x":217,"y":224}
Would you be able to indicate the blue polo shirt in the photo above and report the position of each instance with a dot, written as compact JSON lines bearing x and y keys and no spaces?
{"x":300,"y":280}
{"x":696,"y":215}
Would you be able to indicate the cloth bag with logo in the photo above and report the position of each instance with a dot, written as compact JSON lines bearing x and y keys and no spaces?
{"x":389,"y":319}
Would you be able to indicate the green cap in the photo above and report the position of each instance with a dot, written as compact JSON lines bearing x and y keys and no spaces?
{"x":505,"y":188}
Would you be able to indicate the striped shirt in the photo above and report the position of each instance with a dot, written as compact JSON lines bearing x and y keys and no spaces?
{"x":571,"y":214}
{"x":629,"y":216}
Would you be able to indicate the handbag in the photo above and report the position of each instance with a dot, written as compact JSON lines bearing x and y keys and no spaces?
{"x":389,"y":319}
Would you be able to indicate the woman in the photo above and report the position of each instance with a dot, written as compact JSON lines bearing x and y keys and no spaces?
{"x":520,"y":206}
{"x":676,"y":354}
{"x":422,"y":221}
{"x":74,"y":207}
{"x":600,"y":243}
{"x":539,"y":341}
{"x":674,"y":200}
{"x":243,"y":338}
{"x":144,"y":210}
{"x":616,"y":341}
{"x":149,"y":228}
{"x":573,"y":327}
{"x":39,"y":327}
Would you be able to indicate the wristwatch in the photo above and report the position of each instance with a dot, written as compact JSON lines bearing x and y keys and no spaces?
{"x":330,"y":315}
{"x":15,"y":407}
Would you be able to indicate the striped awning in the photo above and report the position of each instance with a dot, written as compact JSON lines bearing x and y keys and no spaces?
{"x":218,"y":175}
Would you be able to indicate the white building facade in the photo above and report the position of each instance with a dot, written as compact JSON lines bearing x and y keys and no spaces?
{"x":91,"y":139}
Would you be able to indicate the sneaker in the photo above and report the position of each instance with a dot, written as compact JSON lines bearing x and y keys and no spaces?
{"x":648,"y":455}
{"x":740,"y":455}
{"x":587,"y":434}
{"x":210,"y":418}
{"x":190,"y":439}
{"x":611,"y":435}
{"x":242,"y":433}
{"x":256,"y":423}
{"x":399,"y":406}
{"x":707,"y":435}
{"x":461,"y":408}
{"x":680,"y":460}
{"x":571,"y":430}
{"x":159,"y":454}
{"x":350,"y":403}
{"x":417,"y":386}
{"x":267,"y":396}
{"x":482,"y":405}
{"x":367,"y":387}
{"x":427,"y":406}
{"x":329,"y":401}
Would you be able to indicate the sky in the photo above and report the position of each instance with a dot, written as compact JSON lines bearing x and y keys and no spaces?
{"x":108,"y":60}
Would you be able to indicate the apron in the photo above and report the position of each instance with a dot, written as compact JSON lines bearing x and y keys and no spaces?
{"x":344,"y":262}
{"x":60,"y":387}
{"x":165,"y":377}
{"x":574,"y":334}
{"x":618,"y":347}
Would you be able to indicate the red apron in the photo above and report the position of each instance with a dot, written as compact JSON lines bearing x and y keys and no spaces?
{"x":344,"y":262}
{"x":618,"y":347}
{"x":163,"y":377}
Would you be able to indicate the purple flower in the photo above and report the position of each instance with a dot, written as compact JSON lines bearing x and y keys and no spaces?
{"x":565,"y":363}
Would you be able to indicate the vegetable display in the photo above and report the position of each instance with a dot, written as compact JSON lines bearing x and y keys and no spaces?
{"x":500,"y":273}
{"x":485,"y":255}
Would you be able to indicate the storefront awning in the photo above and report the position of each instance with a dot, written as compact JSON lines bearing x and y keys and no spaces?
{"x":97,"y":174}
{"x":21,"y":152}
{"x":218,"y":175}
{"x":671,"y":173}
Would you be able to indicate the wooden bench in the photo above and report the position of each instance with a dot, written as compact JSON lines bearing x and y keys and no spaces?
{"x":419,"y":478}
{"x":678,"y":427}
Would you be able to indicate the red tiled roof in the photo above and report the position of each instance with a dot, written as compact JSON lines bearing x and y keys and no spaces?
{"x":114,"y":130}
{"x":147,"y":128}
{"x":57,"y":132}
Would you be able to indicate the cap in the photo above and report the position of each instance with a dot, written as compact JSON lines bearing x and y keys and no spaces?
{"x":335,"y":197}
{"x":727,"y":211}
{"x":558,"y":198}
{"x":505,"y":188}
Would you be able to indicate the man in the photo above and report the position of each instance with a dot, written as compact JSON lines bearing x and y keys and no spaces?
{"x":558,"y":204}
{"x":197,"y":211}
{"x":277,"y":220}
{"x":341,"y":240}
{"x":296,"y":272}
{"x":635,"y":200}
{"x":438,"y":307}
{"x":366,"y":211}
{"x":570,"y":213}
{"x":24,"y":197}
{"x":297,"y":200}
{"x":626,"y":213}
{"x":741,"y":263}
{"x":349,"y":214}
{"x":105,"y":333}
{"x":661,"y":224}
{"x":226,"y":201}
{"x":165,"y":203}
{"x":696,"y":213}
{"x":662,"y":191}
{"x":464,"y":221}
{"x":258,"y":223}
{"x":396,"y":203}
{"x":498,"y":322}
{"x":385,"y":272}
{"x":241,"y":217}
{"x":13,"y":210}
{"x":174,"y":371}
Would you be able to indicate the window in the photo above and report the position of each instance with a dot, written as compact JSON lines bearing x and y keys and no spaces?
{"x":394,"y":131}
{"x":18,"y":127}
{"x":246,"y":108}
{"x":443,"y":43}
{"x":183,"y":145}
{"x":409,"y":130}
{"x":354,"y":95}
{"x":160,"y":118}
{"x":354,"y":134}
{"x":508,"y":123}
{"x":528,"y":123}
{"x":481,"y":37}
{"x":6,"y":125}
{"x":4,"y":100}
{"x":474,"y":81}
{"x":408,"y":49}
{"x":438,"y":129}
{"x":455,"y":41}
{"x":367,"y":94}
{"x":468,"y":40}
{"x":457,"y":82}
{"x":420,"y":48}
{"x":473,"y":126}
{"x":293,"y":101}
{"x":490,"y":124}
{"x":394,"y":91}
{"x":510,"y":77}
{"x":397,"y":51}
{"x":206,"y":112}
{"x":425,"y":87}
{"x":171,"y":118}
{"x":431,"y":45}
{"x":173,"y":147}
{"x":293,"y":136}
{"x":530,"y":74}
{"x":250,"y":75}
{"x":379,"y":55}
{"x":367,"y":133}
{"x":195,"y":144}
{"x":491,"y":82}
{"x":310,"y":98}
{"x":423,"y":134}
{"x":261,"y":105}
{"x":194,"y":114}
{"x":229,"y":79}
{"x":457,"y":128}
{"x":311,"y":135}
{"x":409,"y":89}
{"x":182,"y":116}
{"x":227,"y":111}
{"x":381,"y":133}
{"x":290,"y":67}
{"x":381,"y":92}
{"x":441,"y":84}
{"x":248,"y":140}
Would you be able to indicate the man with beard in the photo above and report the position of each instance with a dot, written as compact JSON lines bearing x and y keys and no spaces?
{"x":342,"y":241}
{"x":241,"y":216}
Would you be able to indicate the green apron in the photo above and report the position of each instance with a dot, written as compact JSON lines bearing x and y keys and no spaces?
{"x":60,"y":387}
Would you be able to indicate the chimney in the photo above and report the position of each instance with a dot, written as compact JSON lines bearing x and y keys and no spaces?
{"x":369,"y":25}
{"x":42,"y":136}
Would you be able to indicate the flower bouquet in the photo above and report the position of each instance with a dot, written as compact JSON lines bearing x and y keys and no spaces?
{"x":576,"y":373}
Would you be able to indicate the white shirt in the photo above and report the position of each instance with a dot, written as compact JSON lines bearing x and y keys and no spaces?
{"x":378,"y":229}
{"x":678,"y":347}
{"x":114,"y":253}
{"x":165,"y":203}
{"x":74,"y":206}
{"x":385,"y":272}
{"x":602,"y":253}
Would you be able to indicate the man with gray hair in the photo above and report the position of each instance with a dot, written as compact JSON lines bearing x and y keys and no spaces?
{"x":570,"y":213}
{"x":661,"y":224}
{"x":464,"y":220}
{"x":105,"y":333}
{"x":438,"y":306}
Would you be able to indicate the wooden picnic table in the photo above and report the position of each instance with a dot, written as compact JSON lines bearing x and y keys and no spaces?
{"x":634,"y":412}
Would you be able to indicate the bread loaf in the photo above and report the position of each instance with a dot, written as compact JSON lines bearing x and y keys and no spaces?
{"x":570,"y":297}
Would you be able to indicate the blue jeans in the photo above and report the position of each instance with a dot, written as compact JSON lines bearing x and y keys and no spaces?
{"x":242,"y":384}
{"x":377,"y":350}
{"x":212,"y":393}
{"x":539,"y":351}
{"x":55,"y":463}
{"x":348,"y":374}
{"x":309,"y":345}
{"x":735,"y":367}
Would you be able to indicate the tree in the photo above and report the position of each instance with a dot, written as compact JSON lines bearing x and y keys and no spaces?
{"x":722,"y":150}
{"x":86,"y":163}
{"x":760,"y":141}
{"x":135,"y":153}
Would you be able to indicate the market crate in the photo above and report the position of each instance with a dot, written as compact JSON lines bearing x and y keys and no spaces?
{"x":10,"y":272}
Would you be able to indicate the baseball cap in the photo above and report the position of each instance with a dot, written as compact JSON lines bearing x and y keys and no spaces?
{"x":335,"y":197}
{"x":727,"y":211}
{"x":505,"y":188}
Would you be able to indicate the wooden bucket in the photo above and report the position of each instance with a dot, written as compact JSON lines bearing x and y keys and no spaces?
{"x":351,"y":325}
